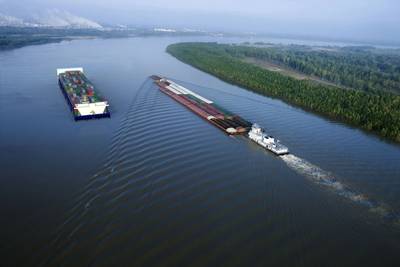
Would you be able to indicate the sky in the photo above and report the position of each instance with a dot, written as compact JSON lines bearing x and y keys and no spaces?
{"x":336,"y":19}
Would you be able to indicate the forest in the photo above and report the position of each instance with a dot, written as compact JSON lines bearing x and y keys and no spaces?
{"x":359,"y":67}
{"x":17,"y":37}
{"x":376,"y":111}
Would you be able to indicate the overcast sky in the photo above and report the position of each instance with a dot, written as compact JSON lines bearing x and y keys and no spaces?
{"x":359,"y":19}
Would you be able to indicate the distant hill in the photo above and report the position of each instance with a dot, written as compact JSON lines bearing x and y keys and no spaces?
{"x":50,"y":18}
{"x":10,"y":21}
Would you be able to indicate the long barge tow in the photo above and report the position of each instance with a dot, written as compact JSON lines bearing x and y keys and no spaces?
{"x":206,"y":109}
{"x":84,"y":102}
{"x":224,"y":120}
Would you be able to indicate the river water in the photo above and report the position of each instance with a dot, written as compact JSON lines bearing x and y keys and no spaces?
{"x":157,"y":185}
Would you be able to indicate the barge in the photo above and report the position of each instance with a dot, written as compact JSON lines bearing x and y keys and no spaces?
{"x":203,"y":107}
{"x":83,"y":100}
{"x":224,"y":120}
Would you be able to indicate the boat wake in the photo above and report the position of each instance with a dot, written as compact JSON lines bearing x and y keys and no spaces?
{"x":323,"y":178}
{"x":328,"y":180}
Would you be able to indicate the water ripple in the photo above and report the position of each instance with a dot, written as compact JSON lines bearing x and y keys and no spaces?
{"x":166,"y":164}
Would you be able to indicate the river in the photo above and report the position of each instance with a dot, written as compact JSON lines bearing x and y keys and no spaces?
{"x":157,"y":185}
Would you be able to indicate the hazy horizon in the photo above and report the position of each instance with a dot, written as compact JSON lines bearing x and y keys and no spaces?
{"x":356,"y":20}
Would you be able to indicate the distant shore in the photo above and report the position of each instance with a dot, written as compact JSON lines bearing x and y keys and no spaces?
{"x":18,"y":37}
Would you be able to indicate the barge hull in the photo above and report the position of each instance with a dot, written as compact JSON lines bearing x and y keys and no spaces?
{"x":204,"y":108}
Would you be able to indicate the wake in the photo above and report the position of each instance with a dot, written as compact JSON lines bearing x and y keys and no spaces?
{"x":328,"y":180}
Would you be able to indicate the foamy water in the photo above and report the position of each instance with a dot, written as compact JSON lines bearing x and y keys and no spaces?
{"x":328,"y":180}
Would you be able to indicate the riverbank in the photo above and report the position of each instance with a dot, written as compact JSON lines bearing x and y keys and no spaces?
{"x":378,"y":113}
{"x":15,"y":37}
{"x":18,"y":37}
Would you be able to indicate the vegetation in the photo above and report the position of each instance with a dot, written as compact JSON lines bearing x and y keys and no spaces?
{"x":365,"y":68}
{"x":7,"y":42}
{"x":378,"y":112}
{"x":16,"y":37}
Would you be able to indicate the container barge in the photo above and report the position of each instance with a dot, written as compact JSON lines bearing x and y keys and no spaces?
{"x":83,"y":100}
{"x":203,"y":107}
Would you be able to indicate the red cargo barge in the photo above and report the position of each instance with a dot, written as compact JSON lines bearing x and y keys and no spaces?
{"x":230,"y":124}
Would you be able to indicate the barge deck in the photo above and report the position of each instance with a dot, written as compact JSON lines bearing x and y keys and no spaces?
{"x":203,"y":107}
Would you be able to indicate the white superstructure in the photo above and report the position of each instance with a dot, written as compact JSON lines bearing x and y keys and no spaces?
{"x":92,"y":108}
{"x":258,"y":135}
